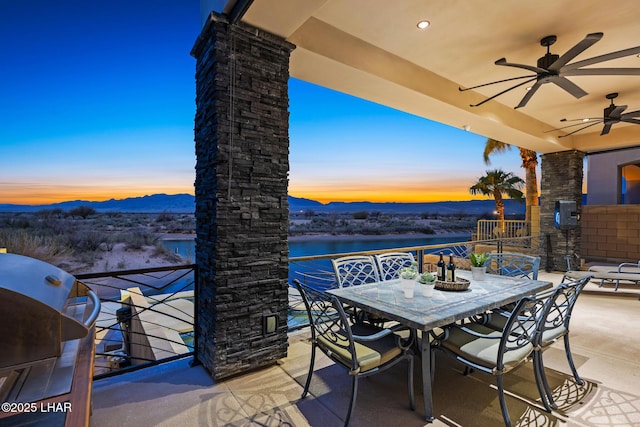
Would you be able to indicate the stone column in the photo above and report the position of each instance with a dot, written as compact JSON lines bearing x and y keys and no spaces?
{"x":242,"y":211}
{"x":561,"y":180}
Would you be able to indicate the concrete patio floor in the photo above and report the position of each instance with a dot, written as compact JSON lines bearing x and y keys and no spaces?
{"x":605,"y":341}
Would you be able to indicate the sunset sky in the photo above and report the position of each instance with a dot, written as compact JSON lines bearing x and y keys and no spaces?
{"x":98,"y":101}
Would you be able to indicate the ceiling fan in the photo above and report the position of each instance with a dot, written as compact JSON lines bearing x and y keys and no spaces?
{"x":552,"y":68}
{"x":612,"y":115}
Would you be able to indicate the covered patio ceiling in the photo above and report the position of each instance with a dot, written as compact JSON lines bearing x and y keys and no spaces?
{"x":373,"y":49}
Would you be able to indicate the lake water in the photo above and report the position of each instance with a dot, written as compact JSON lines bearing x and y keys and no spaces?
{"x":333,"y":245}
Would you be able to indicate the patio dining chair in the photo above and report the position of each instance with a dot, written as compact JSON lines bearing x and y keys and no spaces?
{"x":496,"y":352}
{"x":390,"y":263}
{"x":362,"y":349}
{"x":355,"y":270}
{"x":513,"y":265}
{"x":554,"y":326}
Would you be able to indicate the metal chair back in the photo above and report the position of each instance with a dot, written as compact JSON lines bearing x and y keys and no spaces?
{"x":513,"y":265}
{"x":355,"y":270}
{"x":390,"y":263}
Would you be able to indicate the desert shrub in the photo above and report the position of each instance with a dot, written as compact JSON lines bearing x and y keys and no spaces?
{"x":361,"y":215}
{"x":50,"y":213}
{"x":165,"y":217}
{"x":22,"y":242}
{"x":85,"y":241}
{"x":17,"y":222}
{"x":138,"y":238}
{"x":82,"y":211}
{"x":108,"y":243}
{"x":160,"y":250}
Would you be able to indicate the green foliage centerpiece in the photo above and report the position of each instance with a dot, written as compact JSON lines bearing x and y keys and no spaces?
{"x":478,"y":261}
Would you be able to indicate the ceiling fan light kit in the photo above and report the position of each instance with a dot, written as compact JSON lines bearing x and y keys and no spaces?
{"x":553,"y":68}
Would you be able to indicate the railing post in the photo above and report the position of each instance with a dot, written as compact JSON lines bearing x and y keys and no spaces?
{"x":195,"y":361}
{"x":420,"y":256}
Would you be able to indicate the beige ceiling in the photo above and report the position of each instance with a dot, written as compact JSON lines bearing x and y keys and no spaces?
{"x":372,"y":49}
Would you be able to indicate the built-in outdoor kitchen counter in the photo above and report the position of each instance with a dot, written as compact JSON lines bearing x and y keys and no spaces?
{"x":47,"y":321}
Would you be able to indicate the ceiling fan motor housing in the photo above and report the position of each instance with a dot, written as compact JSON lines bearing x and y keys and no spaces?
{"x":546,"y":61}
{"x":608,"y":119}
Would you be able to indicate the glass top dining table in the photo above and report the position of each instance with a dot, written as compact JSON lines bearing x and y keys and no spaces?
{"x":387,"y":299}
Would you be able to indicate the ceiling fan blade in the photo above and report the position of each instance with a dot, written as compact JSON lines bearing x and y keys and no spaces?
{"x":461,"y":89}
{"x":576,"y":50}
{"x":606,"y":129}
{"x":575,"y":124}
{"x":578,"y":130}
{"x":603,"y":58}
{"x":634,"y":121}
{"x":529,"y":94}
{"x":569,"y":86}
{"x":537,"y":70}
{"x":617,"y":111}
{"x":602,"y":72}
{"x":584,"y":120}
{"x":630,"y":114}
{"x":504,"y":91}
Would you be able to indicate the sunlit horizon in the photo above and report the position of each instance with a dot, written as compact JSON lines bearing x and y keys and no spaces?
{"x":29,"y":200}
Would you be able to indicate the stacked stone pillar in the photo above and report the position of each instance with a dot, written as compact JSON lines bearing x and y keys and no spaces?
{"x":242,"y":152}
{"x":562,"y":176}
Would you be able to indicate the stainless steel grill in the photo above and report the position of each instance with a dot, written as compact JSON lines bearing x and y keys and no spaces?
{"x":45,"y":314}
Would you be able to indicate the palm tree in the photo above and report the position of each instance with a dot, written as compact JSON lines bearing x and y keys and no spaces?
{"x":529,"y":163}
{"x":495,"y":183}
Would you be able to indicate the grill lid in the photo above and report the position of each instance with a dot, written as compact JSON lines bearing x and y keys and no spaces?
{"x":36,"y":279}
{"x":38,"y":303}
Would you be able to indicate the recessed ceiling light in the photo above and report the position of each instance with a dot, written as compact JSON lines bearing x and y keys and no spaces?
{"x":423,"y":24}
{"x":528,"y":88}
{"x":585,"y":120}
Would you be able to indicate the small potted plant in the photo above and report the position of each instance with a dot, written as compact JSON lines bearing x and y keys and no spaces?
{"x":478,"y":268}
{"x":408,"y":277}
{"x":427,"y":280}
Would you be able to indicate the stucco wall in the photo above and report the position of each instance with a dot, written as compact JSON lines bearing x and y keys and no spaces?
{"x":602,"y":175}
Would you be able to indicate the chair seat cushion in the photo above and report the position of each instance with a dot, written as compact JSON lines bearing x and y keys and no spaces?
{"x":549,"y":336}
{"x":369,"y":355}
{"x":483,"y":351}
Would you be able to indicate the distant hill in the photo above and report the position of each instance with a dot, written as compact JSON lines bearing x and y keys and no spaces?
{"x":185,"y":203}
{"x":473,"y":207}
{"x":177,"y":203}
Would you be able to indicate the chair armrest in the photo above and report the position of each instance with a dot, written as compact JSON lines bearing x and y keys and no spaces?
{"x":628,"y":264}
{"x":373,"y":337}
{"x":474,"y":333}
{"x":403,"y":343}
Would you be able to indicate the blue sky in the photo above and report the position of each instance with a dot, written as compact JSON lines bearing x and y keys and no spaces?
{"x":98,"y":101}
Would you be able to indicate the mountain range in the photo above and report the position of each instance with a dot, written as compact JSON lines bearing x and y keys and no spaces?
{"x":185,"y":203}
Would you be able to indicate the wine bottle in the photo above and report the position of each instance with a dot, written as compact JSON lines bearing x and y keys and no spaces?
{"x":451,"y":270}
{"x":440,"y":269}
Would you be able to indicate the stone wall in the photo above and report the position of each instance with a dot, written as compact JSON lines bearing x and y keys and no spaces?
{"x":611,"y":233}
{"x":242,"y":151}
{"x":561,"y":180}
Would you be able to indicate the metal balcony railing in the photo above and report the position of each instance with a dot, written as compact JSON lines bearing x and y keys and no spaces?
{"x":496,"y":229}
{"x":147,"y":315}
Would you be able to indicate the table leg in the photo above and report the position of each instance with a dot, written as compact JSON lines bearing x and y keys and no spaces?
{"x":426,"y":377}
